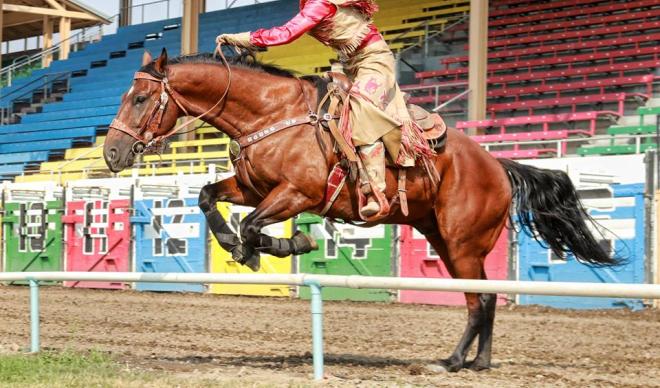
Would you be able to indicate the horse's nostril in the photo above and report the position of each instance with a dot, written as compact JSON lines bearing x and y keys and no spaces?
{"x":112,"y":154}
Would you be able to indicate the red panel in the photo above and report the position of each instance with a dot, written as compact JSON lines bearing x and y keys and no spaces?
{"x":97,"y":239}
{"x":419,"y":260}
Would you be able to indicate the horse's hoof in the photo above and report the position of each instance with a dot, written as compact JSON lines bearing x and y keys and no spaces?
{"x":247,"y":256}
{"x":479,"y":365}
{"x":450,"y":365}
{"x":254,"y":262}
{"x":304,"y":243}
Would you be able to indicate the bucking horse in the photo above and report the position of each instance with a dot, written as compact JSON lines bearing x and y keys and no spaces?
{"x":283,"y":157}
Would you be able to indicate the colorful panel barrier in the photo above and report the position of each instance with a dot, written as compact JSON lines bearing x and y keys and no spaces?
{"x":97,"y":229}
{"x":347,"y":250}
{"x":221,"y":261}
{"x":170,"y":233}
{"x":419,"y":259}
{"x":621,"y":219}
{"x":32,"y":227}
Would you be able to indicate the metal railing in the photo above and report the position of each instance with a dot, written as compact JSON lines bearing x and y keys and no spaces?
{"x":26,"y":92}
{"x":560,"y":145}
{"x":83,"y":36}
{"x":317,"y":282}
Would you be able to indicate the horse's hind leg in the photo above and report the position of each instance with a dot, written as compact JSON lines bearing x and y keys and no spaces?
{"x":463,"y":262}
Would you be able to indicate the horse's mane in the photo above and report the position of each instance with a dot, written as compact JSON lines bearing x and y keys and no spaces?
{"x":246,"y":60}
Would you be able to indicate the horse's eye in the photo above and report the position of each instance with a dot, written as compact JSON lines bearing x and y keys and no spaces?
{"x":140,"y":99}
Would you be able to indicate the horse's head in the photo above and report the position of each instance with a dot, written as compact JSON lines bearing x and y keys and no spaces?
{"x":145,"y":117}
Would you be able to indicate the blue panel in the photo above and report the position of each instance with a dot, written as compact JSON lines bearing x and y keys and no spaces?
{"x":24,"y":157}
{"x":48,"y":145}
{"x":169,"y":243}
{"x":48,"y":135}
{"x":534,"y":262}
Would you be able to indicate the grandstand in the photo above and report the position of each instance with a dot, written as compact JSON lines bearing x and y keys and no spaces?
{"x":563,"y":78}
{"x":559,"y":74}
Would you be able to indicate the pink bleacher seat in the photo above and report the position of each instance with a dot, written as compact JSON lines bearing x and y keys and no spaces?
{"x":572,"y":101}
{"x":571,"y":12}
{"x":619,"y":31}
{"x":552,"y":26}
{"x":543,"y":120}
{"x":555,"y":49}
{"x":522,"y":136}
{"x":600,"y":84}
{"x":522,"y":154}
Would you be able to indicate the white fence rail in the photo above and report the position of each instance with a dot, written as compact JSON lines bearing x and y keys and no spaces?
{"x":316,"y":282}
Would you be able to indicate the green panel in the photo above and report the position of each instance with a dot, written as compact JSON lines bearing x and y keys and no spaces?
{"x":33,"y":236}
{"x":631,"y":129}
{"x":613,"y":149}
{"x":648,"y":110}
{"x":347,"y":250}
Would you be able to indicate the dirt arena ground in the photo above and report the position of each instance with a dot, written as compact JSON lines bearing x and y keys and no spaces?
{"x":260,"y":340}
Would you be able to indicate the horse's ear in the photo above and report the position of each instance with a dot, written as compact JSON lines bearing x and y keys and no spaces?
{"x":161,"y":61}
{"x":146,"y":58}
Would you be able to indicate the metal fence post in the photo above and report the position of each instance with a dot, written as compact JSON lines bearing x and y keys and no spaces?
{"x":34,"y":316}
{"x":317,"y":329}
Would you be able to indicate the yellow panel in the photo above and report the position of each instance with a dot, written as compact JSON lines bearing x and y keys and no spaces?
{"x":168,"y":170}
{"x":83,"y":153}
{"x":221,"y":262}
{"x":60,"y":178}
{"x":69,"y":166}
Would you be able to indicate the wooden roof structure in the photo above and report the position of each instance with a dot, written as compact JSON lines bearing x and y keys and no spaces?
{"x":25,"y":18}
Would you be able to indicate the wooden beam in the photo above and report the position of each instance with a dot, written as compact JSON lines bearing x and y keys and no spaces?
{"x":48,"y":41}
{"x":48,"y":11}
{"x":54,"y":4}
{"x":16,"y":19}
{"x":190,"y":26}
{"x":65,"y":34}
{"x":478,"y":61}
{"x":126,"y":12}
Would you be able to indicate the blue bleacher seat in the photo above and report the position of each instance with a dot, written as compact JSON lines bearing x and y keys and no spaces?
{"x":24,"y":157}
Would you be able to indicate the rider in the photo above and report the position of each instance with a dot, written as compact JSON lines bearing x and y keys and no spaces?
{"x":378,"y":116}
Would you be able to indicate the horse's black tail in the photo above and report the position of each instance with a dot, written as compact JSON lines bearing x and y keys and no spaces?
{"x":547,"y":204}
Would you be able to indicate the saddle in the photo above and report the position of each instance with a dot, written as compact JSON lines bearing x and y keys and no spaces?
{"x":435,"y":129}
{"x":435,"y":132}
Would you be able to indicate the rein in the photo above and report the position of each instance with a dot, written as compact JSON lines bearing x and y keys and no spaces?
{"x":144,"y":136}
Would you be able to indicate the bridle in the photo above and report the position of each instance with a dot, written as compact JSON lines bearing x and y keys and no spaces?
{"x":150,"y":124}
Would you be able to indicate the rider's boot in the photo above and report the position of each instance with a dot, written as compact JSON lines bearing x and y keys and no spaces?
{"x":373,"y":157}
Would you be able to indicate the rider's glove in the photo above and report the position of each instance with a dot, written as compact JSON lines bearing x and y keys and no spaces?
{"x":241,"y":40}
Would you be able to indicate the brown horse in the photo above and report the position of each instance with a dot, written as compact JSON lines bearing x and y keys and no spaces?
{"x":285,"y":174}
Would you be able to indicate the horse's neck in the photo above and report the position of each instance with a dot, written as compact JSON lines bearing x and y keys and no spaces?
{"x":249,"y":105}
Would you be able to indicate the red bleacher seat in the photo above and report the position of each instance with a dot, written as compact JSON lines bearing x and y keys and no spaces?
{"x":573,"y":23}
{"x":600,"y":85}
{"x":619,"y":31}
{"x":555,"y":49}
{"x":538,"y":7}
{"x":570,"y":12}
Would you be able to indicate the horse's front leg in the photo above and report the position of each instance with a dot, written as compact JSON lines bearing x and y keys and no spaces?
{"x":284,"y":202}
{"x":228,"y":190}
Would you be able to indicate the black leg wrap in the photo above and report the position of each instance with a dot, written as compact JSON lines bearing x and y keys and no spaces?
{"x":283,"y":247}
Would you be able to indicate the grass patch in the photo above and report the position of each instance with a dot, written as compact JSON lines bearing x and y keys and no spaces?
{"x":97,"y":369}
{"x":67,"y":369}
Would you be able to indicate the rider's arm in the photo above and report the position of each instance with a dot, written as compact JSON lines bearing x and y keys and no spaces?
{"x":312,"y":14}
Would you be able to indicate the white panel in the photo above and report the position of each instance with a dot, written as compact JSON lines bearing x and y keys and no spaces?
{"x":625,"y":168}
{"x":171,"y":211}
{"x":186,"y":230}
